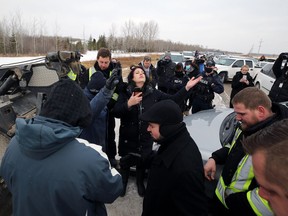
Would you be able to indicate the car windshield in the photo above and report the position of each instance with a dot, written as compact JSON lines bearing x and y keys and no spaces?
{"x":188,"y":54}
{"x":225,"y":61}
{"x":177,"y":58}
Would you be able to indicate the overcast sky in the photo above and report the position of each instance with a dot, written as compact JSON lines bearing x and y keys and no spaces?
{"x":232,"y":25}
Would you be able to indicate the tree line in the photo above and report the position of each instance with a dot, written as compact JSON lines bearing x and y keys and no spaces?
{"x":17,"y":40}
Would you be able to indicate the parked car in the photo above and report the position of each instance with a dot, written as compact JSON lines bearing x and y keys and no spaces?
{"x":265,"y":78}
{"x":227,"y":67}
{"x":211,"y":129}
{"x":188,"y":55}
{"x":175,"y":57}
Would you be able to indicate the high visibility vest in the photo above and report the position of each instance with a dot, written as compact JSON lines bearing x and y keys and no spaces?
{"x":92,"y":70}
{"x":72,"y":75}
{"x":240,"y":183}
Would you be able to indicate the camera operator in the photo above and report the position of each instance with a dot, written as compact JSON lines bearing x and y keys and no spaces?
{"x":279,"y":90}
{"x":165,"y":70}
{"x":203,"y":92}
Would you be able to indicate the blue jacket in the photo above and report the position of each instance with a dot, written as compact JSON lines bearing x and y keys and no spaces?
{"x":97,"y":131}
{"x":50,"y":172}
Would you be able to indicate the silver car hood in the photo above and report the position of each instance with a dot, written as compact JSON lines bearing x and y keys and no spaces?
{"x":204,"y":128}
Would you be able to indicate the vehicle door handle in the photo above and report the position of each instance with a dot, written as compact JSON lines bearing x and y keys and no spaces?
{"x":271,"y":81}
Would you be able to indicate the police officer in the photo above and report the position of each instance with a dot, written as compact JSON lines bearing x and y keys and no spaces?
{"x":203,"y":92}
{"x":279,"y":90}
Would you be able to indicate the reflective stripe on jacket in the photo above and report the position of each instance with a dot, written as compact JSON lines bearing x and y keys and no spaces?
{"x":72,"y":75}
{"x":241,"y":181}
{"x":92,"y":70}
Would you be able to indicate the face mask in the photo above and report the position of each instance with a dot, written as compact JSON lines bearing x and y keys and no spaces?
{"x":208,"y":70}
{"x":188,"y":67}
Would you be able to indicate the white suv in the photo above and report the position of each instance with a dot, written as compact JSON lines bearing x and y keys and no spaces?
{"x":227,"y":67}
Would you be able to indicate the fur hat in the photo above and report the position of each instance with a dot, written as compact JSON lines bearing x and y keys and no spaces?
{"x":66,"y":102}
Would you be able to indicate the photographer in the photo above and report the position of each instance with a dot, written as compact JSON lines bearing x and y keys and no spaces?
{"x":279,"y":90}
{"x":165,"y":70}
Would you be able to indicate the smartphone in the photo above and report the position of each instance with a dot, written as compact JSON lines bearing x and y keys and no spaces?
{"x":244,"y":77}
{"x":137,"y":89}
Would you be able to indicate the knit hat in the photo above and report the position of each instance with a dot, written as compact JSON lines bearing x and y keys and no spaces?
{"x":165,"y":112}
{"x":66,"y":102}
{"x":96,"y":82}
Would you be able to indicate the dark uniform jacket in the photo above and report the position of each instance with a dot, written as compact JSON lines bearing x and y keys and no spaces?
{"x":176,"y":179}
{"x":238,"y":202}
{"x":204,"y":90}
{"x":165,"y":70}
{"x":279,"y":90}
{"x":133,"y":135}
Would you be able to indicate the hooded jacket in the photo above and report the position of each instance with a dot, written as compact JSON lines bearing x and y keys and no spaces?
{"x":176,"y":179}
{"x":50,"y":172}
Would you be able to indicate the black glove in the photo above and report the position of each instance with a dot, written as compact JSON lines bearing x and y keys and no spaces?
{"x":129,"y":160}
{"x":113,"y":80}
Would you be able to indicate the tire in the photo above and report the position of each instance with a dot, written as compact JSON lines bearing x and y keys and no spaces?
{"x":223,"y":77}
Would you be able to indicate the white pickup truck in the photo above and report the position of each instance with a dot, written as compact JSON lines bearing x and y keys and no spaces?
{"x":227,"y":67}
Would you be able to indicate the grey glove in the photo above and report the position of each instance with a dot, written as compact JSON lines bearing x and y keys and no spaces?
{"x":113,"y":80}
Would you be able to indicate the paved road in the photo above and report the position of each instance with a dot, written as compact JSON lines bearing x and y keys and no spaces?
{"x":131,"y":204}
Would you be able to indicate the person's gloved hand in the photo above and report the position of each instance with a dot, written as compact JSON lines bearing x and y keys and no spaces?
{"x":113,"y":80}
{"x":129,"y":160}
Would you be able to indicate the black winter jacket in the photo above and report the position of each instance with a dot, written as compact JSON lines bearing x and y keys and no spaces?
{"x":238,"y":86}
{"x":204,"y":90}
{"x":133,"y":135}
{"x":238,"y":202}
{"x":279,"y":90}
{"x":165,"y":71}
{"x":176,"y":180}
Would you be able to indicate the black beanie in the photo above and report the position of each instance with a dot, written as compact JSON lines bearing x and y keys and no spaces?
{"x":96,"y":82}
{"x":165,"y":112}
{"x":66,"y":102}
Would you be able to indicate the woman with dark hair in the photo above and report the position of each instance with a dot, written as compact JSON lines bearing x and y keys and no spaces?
{"x":134,"y":139}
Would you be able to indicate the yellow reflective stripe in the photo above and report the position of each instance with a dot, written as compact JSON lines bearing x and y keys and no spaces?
{"x":72,"y":75}
{"x":243,"y":172}
{"x":115,"y":96}
{"x":237,"y":134}
{"x":220,"y":191}
{"x":91,"y":71}
{"x":259,"y":205}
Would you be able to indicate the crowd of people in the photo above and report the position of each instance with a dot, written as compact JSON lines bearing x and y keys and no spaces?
{"x":63,"y":161}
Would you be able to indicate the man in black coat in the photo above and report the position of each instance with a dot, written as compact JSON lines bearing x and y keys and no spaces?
{"x":176,"y":180}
